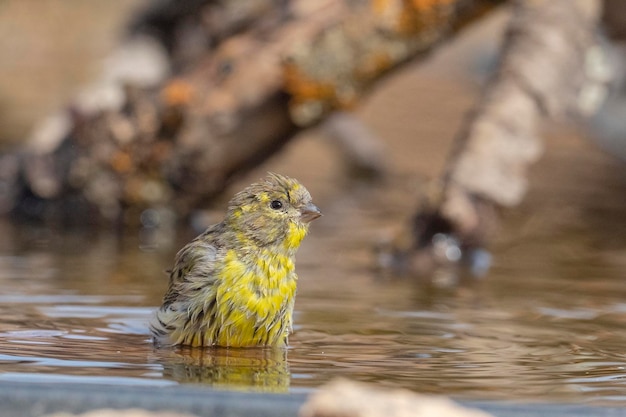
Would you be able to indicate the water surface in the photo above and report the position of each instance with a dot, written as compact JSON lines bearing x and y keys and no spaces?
{"x":546,"y":324}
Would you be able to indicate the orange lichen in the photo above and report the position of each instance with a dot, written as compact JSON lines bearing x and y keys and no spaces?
{"x":411,"y":16}
{"x":419,"y":14}
{"x":304,"y":88}
{"x":177,"y":93}
{"x":373,"y":65}
{"x":428,"y":5}
{"x":421,"y":6}
{"x":330,"y":71}
{"x":380,"y":7}
{"x":121,"y":162}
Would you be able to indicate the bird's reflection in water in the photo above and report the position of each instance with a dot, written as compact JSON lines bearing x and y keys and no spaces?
{"x":258,"y":369}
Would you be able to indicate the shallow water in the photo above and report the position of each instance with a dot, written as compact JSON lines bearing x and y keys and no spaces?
{"x":546,"y":324}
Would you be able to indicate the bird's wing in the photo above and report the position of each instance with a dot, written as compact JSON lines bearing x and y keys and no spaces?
{"x":194,"y":268}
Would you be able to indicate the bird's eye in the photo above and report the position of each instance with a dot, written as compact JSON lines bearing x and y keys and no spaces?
{"x":276,"y":205}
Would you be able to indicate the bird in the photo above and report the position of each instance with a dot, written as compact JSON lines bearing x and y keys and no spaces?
{"x":235,"y":284}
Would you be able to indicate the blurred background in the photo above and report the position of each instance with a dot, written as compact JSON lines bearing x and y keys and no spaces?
{"x":52,"y":50}
{"x":538,"y":316}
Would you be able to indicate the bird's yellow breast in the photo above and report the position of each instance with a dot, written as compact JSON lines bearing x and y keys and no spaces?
{"x":255,"y":299}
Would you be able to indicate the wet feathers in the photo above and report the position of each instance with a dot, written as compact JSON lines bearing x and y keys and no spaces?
{"x":235,"y":284}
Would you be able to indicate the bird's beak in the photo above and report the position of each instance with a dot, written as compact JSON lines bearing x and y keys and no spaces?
{"x":310,"y":212}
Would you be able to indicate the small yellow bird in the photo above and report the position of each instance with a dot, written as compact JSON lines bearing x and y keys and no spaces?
{"x":235,"y":284}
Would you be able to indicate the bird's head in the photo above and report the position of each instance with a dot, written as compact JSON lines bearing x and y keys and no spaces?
{"x":276,"y":210}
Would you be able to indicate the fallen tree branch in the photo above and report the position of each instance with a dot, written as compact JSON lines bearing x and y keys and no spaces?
{"x":259,"y":71}
{"x":544,"y":72}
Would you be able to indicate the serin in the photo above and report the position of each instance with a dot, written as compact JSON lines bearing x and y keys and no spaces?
{"x":235,"y":284}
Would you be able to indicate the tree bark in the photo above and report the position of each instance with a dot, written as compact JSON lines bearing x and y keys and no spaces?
{"x":546,"y":70}
{"x":236,"y":81}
